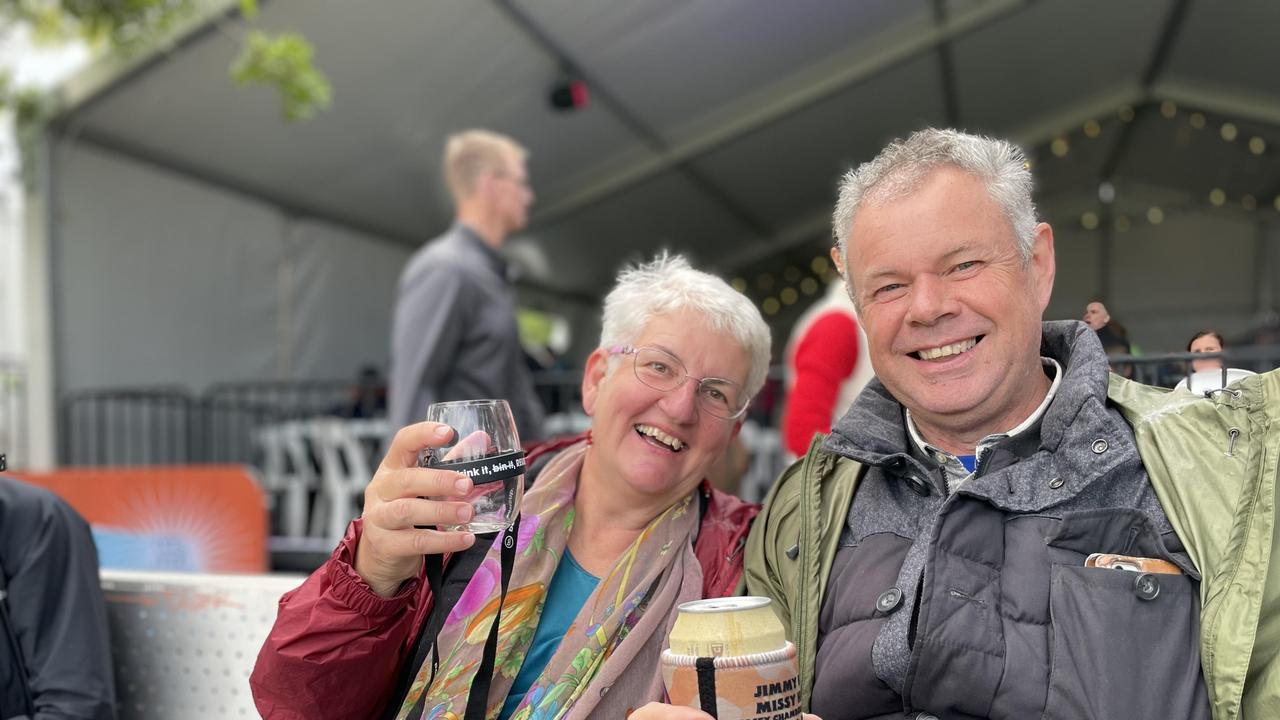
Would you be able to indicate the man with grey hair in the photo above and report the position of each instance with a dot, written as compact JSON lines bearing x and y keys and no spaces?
{"x":998,"y":528}
{"x":453,"y":335}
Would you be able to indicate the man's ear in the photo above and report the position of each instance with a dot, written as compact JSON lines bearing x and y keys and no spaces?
{"x":1043,"y":265}
{"x":837,"y":259}
{"x":593,"y":378}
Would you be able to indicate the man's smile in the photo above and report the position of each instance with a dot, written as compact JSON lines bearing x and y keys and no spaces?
{"x":945,"y":351}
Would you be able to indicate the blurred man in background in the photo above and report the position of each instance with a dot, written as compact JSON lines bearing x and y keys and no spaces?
{"x":1110,"y":332}
{"x":454,"y":336}
{"x":1113,"y":336}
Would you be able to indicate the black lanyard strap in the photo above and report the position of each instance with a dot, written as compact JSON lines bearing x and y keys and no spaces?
{"x":478,"y":698}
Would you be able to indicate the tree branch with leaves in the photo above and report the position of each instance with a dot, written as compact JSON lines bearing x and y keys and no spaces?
{"x":282,"y":61}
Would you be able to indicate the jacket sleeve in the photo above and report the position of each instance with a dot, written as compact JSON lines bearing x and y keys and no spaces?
{"x":764,"y":573}
{"x":431,"y":314}
{"x":336,"y":646}
{"x":55,"y":604}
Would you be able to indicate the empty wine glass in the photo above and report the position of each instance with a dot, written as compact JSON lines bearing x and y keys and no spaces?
{"x":485,"y":447}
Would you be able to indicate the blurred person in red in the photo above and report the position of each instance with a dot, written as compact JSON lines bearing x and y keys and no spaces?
{"x":827,"y":366}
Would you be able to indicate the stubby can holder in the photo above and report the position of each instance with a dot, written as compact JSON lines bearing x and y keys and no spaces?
{"x":729,"y":657}
{"x":760,"y":686}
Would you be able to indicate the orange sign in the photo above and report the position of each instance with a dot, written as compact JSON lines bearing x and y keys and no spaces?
{"x":197,"y":518}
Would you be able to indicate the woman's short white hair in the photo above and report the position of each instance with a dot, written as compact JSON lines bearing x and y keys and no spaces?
{"x":904,"y":165}
{"x":669,"y":284}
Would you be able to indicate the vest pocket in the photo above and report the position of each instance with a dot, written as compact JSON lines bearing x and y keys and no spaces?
{"x":1124,"y":645}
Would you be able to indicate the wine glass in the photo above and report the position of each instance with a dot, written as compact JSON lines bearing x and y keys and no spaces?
{"x":486,"y":448}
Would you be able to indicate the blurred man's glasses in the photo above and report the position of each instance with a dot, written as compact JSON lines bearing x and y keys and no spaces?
{"x":521,"y":182}
{"x":663,"y":371}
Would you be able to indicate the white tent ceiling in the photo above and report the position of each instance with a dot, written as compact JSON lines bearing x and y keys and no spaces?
{"x":718,"y":127}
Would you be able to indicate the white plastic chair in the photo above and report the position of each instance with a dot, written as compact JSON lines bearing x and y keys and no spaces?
{"x":345,"y":470}
{"x":287,"y":476}
{"x":1205,"y":381}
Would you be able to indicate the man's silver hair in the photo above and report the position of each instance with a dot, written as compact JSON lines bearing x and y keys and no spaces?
{"x":904,"y":165}
{"x":669,"y":284}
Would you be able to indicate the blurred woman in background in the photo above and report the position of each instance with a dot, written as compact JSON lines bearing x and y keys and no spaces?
{"x":1206,"y":341}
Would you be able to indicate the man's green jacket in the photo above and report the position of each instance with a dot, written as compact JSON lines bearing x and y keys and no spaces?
{"x":1214,"y":465}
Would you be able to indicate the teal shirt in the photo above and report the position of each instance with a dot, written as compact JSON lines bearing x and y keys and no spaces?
{"x":570,"y":587}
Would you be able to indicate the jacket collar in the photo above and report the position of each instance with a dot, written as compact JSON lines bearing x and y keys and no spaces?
{"x":874,"y":432}
{"x":492,"y":258}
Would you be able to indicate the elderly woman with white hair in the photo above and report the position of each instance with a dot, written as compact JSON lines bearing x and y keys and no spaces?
{"x":618,"y":528}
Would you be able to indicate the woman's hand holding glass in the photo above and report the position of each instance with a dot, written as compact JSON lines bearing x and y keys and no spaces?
{"x":488,"y":450}
{"x":396,"y":507}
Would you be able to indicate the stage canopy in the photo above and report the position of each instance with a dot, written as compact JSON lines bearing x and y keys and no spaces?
{"x":195,"y":236}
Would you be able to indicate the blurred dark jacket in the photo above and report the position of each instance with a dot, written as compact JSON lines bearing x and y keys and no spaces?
{"x":55,"y":662}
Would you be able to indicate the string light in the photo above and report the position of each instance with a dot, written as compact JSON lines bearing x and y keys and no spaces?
{"x":1257,"y":145}
{"x":1122,"y":223}
{"x":789,"y":296}
{"x":739,"y":284}
{"x":1276,"y":203}
{"x":1125,"y":113}
{"x":791,"y":274}
{"x":1106,"y":192}
{"x":1217,"y":198}
{"x":1229,"y":131}
{"x":819,"y":265}
{"x":1059,"y":147}
{"x":770,"y":306}
{"x":1155,"y":215}
{"x":764,"y":281}
{"x":1168,"y":109}
{"x":1249,"y":202}
{"x":1092,"y":129}
{"x":808,"y":286}
{"x":1197,"y":120}
{"x":1089,"y":221}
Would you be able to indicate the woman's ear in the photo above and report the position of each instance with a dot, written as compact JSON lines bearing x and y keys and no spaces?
{"x":593,"y":377}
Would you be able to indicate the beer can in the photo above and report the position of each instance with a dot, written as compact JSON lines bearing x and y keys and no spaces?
{"x":722,"y":627}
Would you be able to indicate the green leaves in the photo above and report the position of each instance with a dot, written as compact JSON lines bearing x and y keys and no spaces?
{"x":123,"y":24}
{"x":283,"y":62}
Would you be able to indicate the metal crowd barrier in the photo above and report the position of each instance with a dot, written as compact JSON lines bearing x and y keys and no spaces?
{"x":138,"y":426}
{"x":171,"y":425}
{"x":168,"y":425}
{"x":1167,"y":369}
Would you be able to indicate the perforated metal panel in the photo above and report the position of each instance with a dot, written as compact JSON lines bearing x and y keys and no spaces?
{"x":183,"y":645}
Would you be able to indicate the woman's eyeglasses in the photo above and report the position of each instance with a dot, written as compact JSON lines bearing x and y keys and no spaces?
{"x":663,"y":371}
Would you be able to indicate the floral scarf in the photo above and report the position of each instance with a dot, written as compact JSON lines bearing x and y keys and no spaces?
{"x":640,"y":594}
